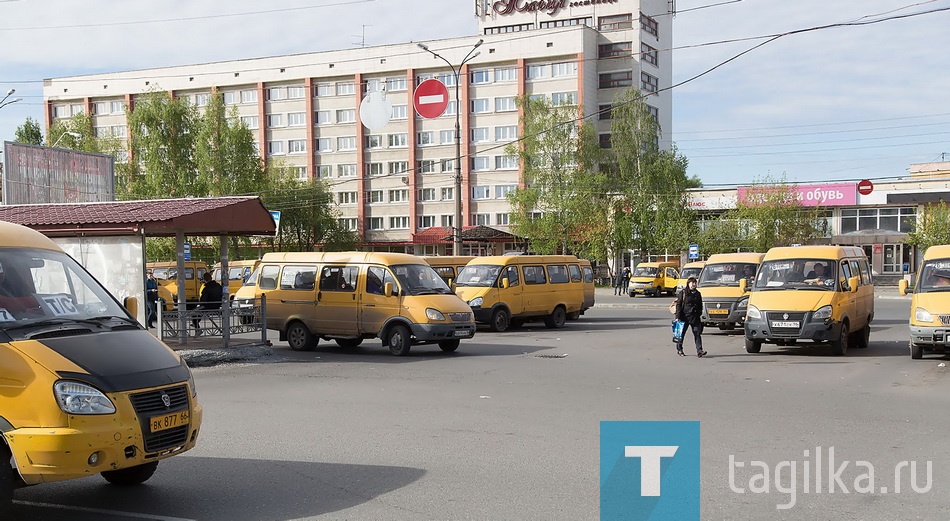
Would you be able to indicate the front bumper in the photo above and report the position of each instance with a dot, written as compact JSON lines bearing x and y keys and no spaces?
{"x":54,"y":454}
{"x":930,"y":336}
{"x":729,"y":313}
{"x":819,"y":331}
{"x":439,"y":332}
{"x":643,"y":289}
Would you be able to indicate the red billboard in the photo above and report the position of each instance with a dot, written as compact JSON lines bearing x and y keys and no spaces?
{"x":41,"y":175}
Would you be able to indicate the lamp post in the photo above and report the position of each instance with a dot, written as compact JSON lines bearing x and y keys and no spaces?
{"x":75,"y":135}
{"x":4,"y":102}
{"x":457,"y":229}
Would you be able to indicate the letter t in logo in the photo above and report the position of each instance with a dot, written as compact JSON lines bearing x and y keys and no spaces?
{"x":650,"y":457}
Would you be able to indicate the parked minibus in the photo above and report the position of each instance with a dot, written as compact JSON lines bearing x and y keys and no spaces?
{"x":84,"y":388}
{"x":691,"y":269}
{"x":352,"y":296}
{"x":238,"y":272}
{"x":653,"y":278}
{"x":930,"y":305}
{"x":817,"y":293}
{"x":506,"y":291}
{"x":448,"y":266}
{"x":724,"y":302}
{"x":587,"y":279}
{"x":166,"y":274}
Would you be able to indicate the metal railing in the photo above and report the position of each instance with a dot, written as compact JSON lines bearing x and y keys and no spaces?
{"x":241,"y":316}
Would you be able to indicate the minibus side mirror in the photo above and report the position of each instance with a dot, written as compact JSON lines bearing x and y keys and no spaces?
{"x":388,"y":289}
{"x":743,"y":285}
{"x":853,"y":284}
{"x":902,"y":286}
{"x":131,"y":304}
{"x":504,"y":283}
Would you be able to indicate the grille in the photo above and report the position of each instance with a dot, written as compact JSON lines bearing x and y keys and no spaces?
{"x":150,"y":404}
{"x":711,"y":311}
{"x":944,"y":319}
{"x":460,"y":317}
{"x":785,"y":331}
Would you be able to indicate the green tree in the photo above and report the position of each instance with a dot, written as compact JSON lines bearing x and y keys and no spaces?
{"x":933,"y":227}
{"x":562,"y":205}
{"x":651,"y":211}
{"x":29,"y":133}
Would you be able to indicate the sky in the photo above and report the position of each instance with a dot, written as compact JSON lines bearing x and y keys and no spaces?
{"x":845,"y":102}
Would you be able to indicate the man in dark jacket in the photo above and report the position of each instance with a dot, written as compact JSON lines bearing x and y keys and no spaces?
{"x":210,"y":298}
{"x":689,"y":309}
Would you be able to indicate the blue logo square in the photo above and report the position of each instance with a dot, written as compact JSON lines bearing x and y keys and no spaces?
{"x":649,"y":470}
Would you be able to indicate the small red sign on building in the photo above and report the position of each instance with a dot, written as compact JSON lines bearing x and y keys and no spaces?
{"x":431,"y":98}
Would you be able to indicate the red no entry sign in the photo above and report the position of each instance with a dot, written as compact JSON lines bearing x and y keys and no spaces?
{"x":865,"y":187}
{"x":431,"y":98}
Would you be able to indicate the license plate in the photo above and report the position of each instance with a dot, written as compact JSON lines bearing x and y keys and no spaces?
{"x":462,"y":333}
{"x":718,"y":311}
{"x":168,"y":421}
{"x":785,"y":324}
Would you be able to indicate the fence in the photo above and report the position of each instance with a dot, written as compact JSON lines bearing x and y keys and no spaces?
{"x":241,"y":316}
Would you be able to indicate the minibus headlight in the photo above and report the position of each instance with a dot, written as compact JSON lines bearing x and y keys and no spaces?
{"x":475,"y":302}
{"x":191,"y":380}
{"x":823,"y":313}
{"x":742,"y":303}
{"x":753,"y":312}
{"x":79,"y":398}
{"x":434,"y":314}
{"x":922,"y":315}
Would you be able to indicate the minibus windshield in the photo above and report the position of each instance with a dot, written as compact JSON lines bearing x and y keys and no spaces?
{"x":480,"y":275}
{"x":39,"y":285}
{"x":802,"y":274}
{"x":643,"y":271}
{"x":934,"y":276}
{"x":727,"y":274}
{"x":690,"y":272}
{"x":420,"y":279}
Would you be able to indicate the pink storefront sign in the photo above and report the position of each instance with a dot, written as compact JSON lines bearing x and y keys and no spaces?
{"x":832,"y":194}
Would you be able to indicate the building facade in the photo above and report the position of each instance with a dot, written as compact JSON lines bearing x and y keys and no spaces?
{"x":398,"y":180}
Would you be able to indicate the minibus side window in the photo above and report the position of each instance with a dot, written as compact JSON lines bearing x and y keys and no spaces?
{"x":339,"y":278}
{"x":865,"y":271}
{"x":558,"y":274}
{"x":189,"y":274}
{"x":298,"y":277}
{"x":268,"y":279}
{"x":201,"y":273}
{"x":512,"y":273}
{"x":845,"y":275}
{"x":575,"y":272}
{"x":376,"y":279}
{"x":856,"y":270}
{"x":588,"y":275}
{"x":534,"y":275}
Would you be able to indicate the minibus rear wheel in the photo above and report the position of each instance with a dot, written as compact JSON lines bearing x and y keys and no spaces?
{"x":6,"y":483}
{"x":556,"y":319}
{"x":131,"y":476}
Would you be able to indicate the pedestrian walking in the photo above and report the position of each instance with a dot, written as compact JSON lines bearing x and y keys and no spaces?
{"x":689,"y":309}
{"x":618,"y":283}
{"x":151,"y":299}
{"x":625,"y":280}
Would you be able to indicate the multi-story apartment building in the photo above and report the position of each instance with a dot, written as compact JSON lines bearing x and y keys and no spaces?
{"x":395,"y":181}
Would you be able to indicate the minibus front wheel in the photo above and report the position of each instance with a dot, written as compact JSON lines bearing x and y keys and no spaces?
{"x":839,"y":347}
{"x":752,"y":346}
{"x":916,"y":353}
{"x":131,"y":476}
{"x":449,"y":346}
{"x":398,"y":340}
{"x":500,"y":319}
{"x":300,"y":338}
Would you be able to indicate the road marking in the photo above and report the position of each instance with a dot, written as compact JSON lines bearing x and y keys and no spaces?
{"x":434,"y":98}
{"x":102,"y":511}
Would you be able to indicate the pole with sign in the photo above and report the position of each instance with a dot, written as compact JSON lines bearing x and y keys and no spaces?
{"x":693,"y":252}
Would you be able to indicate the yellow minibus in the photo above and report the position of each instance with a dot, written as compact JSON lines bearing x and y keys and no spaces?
{"x":930,"y":305}
{"x":724,"y":302}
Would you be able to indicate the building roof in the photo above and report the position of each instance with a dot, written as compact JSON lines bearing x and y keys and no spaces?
{"x":443,"y":235}
{"x":153,"y":218}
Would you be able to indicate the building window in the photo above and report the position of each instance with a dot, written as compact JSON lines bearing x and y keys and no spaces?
{"x":480,"y":134}
{"x":275,"y":148}
{"x":201,"y":100}
{"x":605,"y":141}
{"x":275,"y":120}
{"x":121,"y":156}
{"x":100,"y":108}
{"x":506,"y":162}
{"x":300,"y":172}
{"x":325,"y":89}
{"x":449,"y":109}
{"x":323,"y":117}
{"x":374,"y":169}
{"x":427,"y":194}
{"x":447,"y":220}
{"x":76,"y":109}
{"x":481,"y":219}
{"x":481,"y":192}
{"x":297,"y":146}
{"x":448,"y":194}
{"x":425,"y":138}
{"x":506,"y":104}
{"x":506,"y":74}
{"x":649,"y":25}
{"x":374,"y":223}
{"x":426,"y":166}
{"x":426,"y":221}
{"x":346,"y":143}
{"x":324,"y":171}
{"x":502,"y":191}
{"x":605,"y":112}
{"x":509,"y":29}
{"x":345,"y":88}
{"x":374,"y":196}
{"x":275,"y":94}
{"x":346,"y":170}
{"x":374,"y":141}
{"x":448,"y":165}
{"x":506,"y":133}
{"x":346,"y":116}
{"x":446,"y":136}
{"x":399,"y":196}
{"x":230,"y":98}
{"x":501,"y":219}
{"x":564,"y":98}
{"x":373,"y":85}
{"x":248,"y":96}
{"x":481,"y":106}
{"x":398,"y":167}
{"x":347,"y":223}
{"x":617,"y":79}
{"x":100,"y":131}
{"x":400,"y":222}
{"x":296,"y":119}
{"x":560,"y":70}
{"x":537,"y":72}
{"x":480,"y":163}
{"x":322,"y":144}
{"x":586,"y":21}
{"x":296,"y":92}
{"x":480,"y":77}
{"x":615,"y":22}
{"x":614,"y":50}
{"x":653,"y":111}
{"x":347,"y":197}
{"x":397,"y":84}
{"x":397,"y":140}
{"x":649,"y":83}
{"x":649,"y":55}
{"x":902,"y":220}
{"x":447,"y":79}
{"x":118,"y":130}
{"x":400,"y":112}
{"x":249,"y":121}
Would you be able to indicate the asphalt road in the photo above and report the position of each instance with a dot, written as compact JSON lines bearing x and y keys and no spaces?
{"x":508,"y":427}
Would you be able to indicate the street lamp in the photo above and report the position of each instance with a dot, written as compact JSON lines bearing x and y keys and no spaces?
{"x":457,"y":229}
{"x":4,"y":102}
{"x":75,"y":135}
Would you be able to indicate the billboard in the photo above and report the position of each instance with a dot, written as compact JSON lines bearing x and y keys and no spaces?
{"x":38,"y":175}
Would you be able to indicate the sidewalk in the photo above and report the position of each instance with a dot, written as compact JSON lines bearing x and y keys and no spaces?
{"x":209,"y":350}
